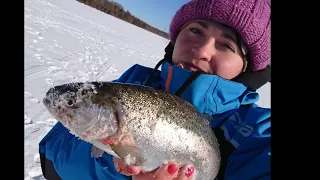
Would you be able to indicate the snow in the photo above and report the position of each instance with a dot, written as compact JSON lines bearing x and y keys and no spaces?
{"x":66,"y":41}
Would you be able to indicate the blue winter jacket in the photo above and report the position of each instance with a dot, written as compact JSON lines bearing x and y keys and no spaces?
{"x":246,"y":127}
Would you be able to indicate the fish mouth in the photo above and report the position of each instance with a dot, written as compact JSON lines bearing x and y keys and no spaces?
{"x":53,"y":98}
{"x":53,"y":111}
{"x":47,"y":102}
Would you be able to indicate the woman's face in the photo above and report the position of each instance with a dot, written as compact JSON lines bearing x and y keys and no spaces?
{"x":210,"y":47}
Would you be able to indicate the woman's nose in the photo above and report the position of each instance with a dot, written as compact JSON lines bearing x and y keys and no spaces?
{"x":204,"y":51}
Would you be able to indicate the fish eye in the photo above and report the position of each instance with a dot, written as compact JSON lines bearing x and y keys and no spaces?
{"x":70,"y":102}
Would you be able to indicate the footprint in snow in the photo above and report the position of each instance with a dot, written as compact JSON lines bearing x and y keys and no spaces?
{"x":34,"y":100}
{"x":38,"y":56}
{"x":36,"y":158}
{"x":49,"y":82}
{"x":41,"y":123}
{"x":53,"y":69}
{"x":51,"y":122}
{"x":28,"y":95}
{"x":27,"y":119}
{"x":81,"y":60}
{"x":31,"y":128}
{"x":31,"y":98}
{"x":39,"y":49}
{"x":35,"y":172}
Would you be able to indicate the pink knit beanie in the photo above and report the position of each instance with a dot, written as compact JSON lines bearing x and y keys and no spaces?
{"x":250,"y":18}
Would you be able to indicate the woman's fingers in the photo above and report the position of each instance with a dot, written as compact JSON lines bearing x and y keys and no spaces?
{"x":186,"y":172}
{"x":125,"y":169}
{"x":169,"y":171}
{"x":165,"y":172}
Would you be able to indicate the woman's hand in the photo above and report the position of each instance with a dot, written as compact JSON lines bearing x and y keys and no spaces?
{"x":168,"y":171}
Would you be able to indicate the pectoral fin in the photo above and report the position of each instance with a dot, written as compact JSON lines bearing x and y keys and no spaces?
{"x":132,"y":155}
{"x":96,"y":152}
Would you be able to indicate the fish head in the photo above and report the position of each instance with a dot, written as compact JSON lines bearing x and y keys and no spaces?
{"x":79,"y":107}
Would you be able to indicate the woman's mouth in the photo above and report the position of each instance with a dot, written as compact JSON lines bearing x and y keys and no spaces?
{"x":192,"y":67}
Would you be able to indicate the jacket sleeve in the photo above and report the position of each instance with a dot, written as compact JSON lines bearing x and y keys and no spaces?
{"x":249,"y":131}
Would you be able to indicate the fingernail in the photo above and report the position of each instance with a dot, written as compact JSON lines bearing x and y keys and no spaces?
{"x":120,"y":169}
{"x":172,"y":168}
{"x":130,"y":170}
{"x":189,"y":171}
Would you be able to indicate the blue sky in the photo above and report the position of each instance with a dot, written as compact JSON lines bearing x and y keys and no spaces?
{"x":157,"y":13}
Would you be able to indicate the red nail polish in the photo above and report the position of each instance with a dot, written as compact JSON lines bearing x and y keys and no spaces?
{"x":120,"y":169}
{"x":189,"y":171}
{"x":172,"y":168}
{"x":130,"y":170}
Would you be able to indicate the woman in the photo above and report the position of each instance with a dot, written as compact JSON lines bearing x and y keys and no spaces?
{"x":218,"y":56}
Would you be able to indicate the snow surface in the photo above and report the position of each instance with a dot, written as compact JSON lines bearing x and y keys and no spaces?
{"x":66,"y":41}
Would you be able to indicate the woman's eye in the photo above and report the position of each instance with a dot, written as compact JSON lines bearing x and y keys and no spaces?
{"x":195,"y":31}
{"x":228,"y":46}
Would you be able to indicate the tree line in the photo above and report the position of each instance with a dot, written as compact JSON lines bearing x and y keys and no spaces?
{"x":115,"y":9}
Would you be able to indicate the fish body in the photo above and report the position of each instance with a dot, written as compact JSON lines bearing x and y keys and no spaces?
{"x":142,"y":125}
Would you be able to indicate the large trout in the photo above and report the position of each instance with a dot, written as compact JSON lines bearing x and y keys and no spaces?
{"x":141,"y":125}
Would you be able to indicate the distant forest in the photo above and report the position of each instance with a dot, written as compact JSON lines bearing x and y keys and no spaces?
{"x":115,"y":9}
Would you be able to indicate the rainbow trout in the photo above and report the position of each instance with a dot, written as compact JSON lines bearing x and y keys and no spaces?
{"x":141,"y":125}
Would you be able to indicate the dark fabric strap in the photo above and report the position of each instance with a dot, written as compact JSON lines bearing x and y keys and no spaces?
{"x":147,"y":83}
{"x":47,"y":168}
{"x":184,"y":86}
